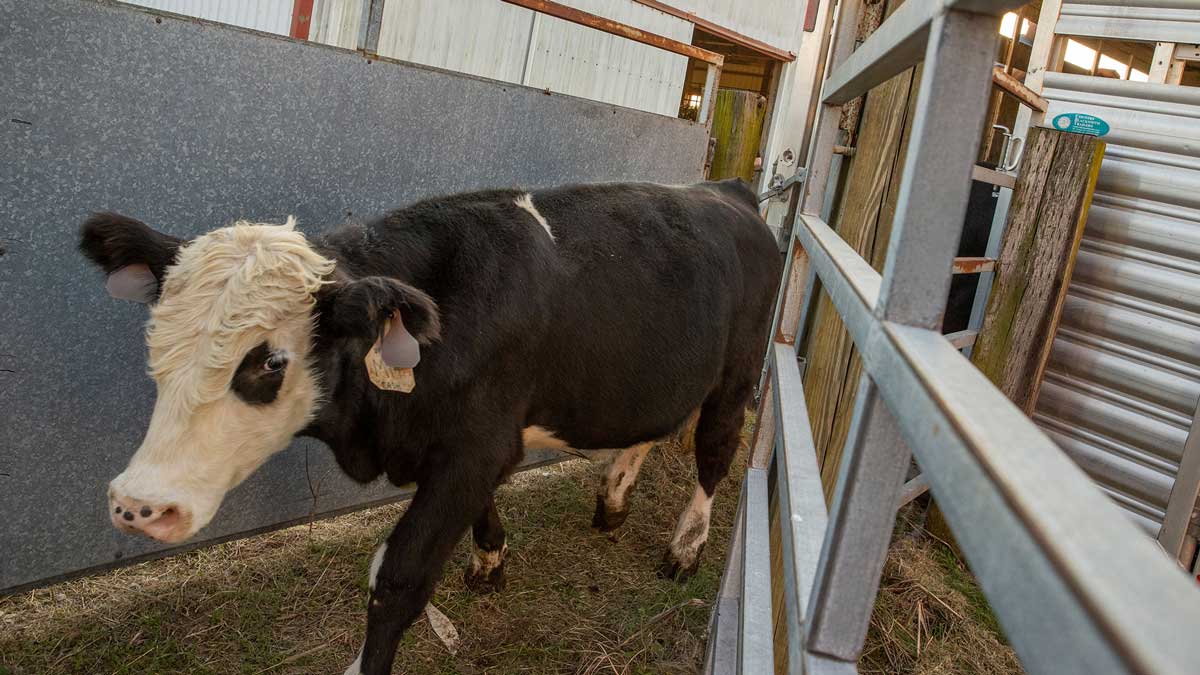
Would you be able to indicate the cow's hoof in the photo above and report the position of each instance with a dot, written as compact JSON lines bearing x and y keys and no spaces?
{"x":677,"y":570}
{"x":606,"y":520}
{"x":491,"y":581}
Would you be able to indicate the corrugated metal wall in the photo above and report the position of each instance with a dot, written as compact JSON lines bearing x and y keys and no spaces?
{"x":492,"y":39}
{"x":1150,"y":20}
{"x":577,"y":60}
{"x":775,"y":22}
{"x":271,"y":16}
{"x":1124,"y":375}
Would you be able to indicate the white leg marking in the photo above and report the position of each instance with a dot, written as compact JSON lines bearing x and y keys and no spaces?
{"x":356,"y":667}
{"x":483,"y":562}
{"x":540,"y":437}
{"x":692,"y":530}
{"x":377,"y":562}
{"x":622,"y":474}
{"x":525,"y":201}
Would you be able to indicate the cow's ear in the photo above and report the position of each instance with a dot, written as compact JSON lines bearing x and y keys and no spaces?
{"x":374,"y":307}
{"x":133,"y":255}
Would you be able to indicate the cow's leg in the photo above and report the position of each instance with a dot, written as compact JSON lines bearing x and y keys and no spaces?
{"x":485,"y":572}
{"x":612,"y":506}
{"x":717,"y":436}
{"x":409,"y":563}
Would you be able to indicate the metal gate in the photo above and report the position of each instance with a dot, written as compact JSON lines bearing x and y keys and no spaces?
{"x":1075,"y":587}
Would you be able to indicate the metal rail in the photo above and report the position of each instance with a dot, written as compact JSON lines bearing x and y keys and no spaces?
{"x":1075,"y":587}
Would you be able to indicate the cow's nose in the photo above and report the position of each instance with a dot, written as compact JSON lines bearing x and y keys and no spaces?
{"x":164,"y":522}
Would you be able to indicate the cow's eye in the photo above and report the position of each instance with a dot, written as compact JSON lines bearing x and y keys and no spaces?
{"x":275,"y":362}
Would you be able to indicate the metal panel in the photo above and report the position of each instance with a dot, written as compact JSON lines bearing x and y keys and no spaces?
{"x":190,"y":126}
{"x":1151,"y":20}
{"x":775,"y":22}
{"x":497,"y":40}
{"x":1124,"y":374}
{"x":487,"y":38}
{"x":270,"y":16}
{"x":577,"y":60}
{"x":335,"y":22}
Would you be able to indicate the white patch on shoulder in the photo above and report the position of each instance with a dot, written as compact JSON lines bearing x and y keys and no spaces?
{"x":356,"y":667}
{"x":377,"y":562}
{"x":541,"y":438}
{"x":525,"y":201}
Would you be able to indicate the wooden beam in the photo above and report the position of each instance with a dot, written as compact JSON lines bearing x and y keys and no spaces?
{"x":969,"y":265}
{"x":611,"y":27}
{"x":1013,"y":86}
{"x":1045,"y":225}
{"x":1164,"y":67}
{"x":723,"y":32}
{"x":302,"y":11}
{"x":986,"y":175}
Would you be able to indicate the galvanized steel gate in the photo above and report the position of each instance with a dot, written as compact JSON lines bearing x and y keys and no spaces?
{"x":1073,"y":585}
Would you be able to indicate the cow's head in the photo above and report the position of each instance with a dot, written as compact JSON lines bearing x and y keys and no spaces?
{"x":230,"y":337}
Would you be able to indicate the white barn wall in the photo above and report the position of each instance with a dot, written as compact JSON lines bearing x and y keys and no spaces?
{"x":270,"y":16}
{"x":580,"y":61}
{"x":778,"y":23}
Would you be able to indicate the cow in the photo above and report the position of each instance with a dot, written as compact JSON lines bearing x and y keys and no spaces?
{"x":436,"y":344}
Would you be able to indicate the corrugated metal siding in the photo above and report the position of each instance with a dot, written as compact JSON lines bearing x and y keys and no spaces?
{"x":1124,"y":374}
{"x":1151,"y":20}
{"x":270,"y":16}
{"x":580,"y":61}
{"x":775,"y":22}
{"x":487,"y":38}
{"x":335,"y":22}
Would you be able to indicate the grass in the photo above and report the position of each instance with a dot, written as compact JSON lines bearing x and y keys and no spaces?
{"x":577,"y":601}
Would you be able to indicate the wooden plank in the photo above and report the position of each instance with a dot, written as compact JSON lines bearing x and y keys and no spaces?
{"x":1165,"y":68}
{"x":737,"y":127}
{"x":884,"y":168}
{"x":1045,"y":224}
{"x":1016,"y":88}
{"x":617,"y":28}
{"x":972,"y":265}
{"x":986,"y":175}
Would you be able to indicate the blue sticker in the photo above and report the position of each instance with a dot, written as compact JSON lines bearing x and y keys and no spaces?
{"x":1081,"y":123}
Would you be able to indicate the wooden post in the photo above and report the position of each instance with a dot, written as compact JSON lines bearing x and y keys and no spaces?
{"x":737,"y":127}
{"x":1045,"y":224}
{"x":1037,"y":255}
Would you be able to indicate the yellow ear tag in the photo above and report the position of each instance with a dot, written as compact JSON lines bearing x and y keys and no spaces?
{"x":386,"y":377}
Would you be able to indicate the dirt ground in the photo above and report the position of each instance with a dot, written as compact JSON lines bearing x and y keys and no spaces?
{"x":577,"y":601}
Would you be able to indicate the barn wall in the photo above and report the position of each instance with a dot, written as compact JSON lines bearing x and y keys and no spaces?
{"x":271,"y":16}
{"x":775,"y":22}
{"x":189,"y":126}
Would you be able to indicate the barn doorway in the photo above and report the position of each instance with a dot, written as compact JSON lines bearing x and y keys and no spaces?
{"x":745,"y":99}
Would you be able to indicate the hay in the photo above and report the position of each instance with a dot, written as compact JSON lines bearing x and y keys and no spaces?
{"x":577,"y":602}
{"x":931,"y":617}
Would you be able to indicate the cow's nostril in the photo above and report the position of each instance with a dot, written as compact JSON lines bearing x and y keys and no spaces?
{"x":128,"y":515}
{"x":118,"y":509}
{"x":146,"y":511}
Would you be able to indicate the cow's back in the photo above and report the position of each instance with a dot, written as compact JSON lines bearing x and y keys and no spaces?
{"x":658,"y":291}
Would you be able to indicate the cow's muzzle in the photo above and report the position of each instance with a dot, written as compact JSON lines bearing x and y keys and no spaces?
{"x":168,"y":523}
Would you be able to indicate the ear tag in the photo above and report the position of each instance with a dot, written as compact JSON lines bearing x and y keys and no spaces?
{"x":391,"y":359}
{"x":133,"y":282}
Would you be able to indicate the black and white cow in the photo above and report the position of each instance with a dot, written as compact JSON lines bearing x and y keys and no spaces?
{"x":593,"y":316}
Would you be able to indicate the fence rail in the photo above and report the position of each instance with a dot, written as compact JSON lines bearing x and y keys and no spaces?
{"x":1075,"y":587}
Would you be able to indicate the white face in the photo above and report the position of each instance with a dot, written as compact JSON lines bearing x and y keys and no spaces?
{"x":229,"y":344}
